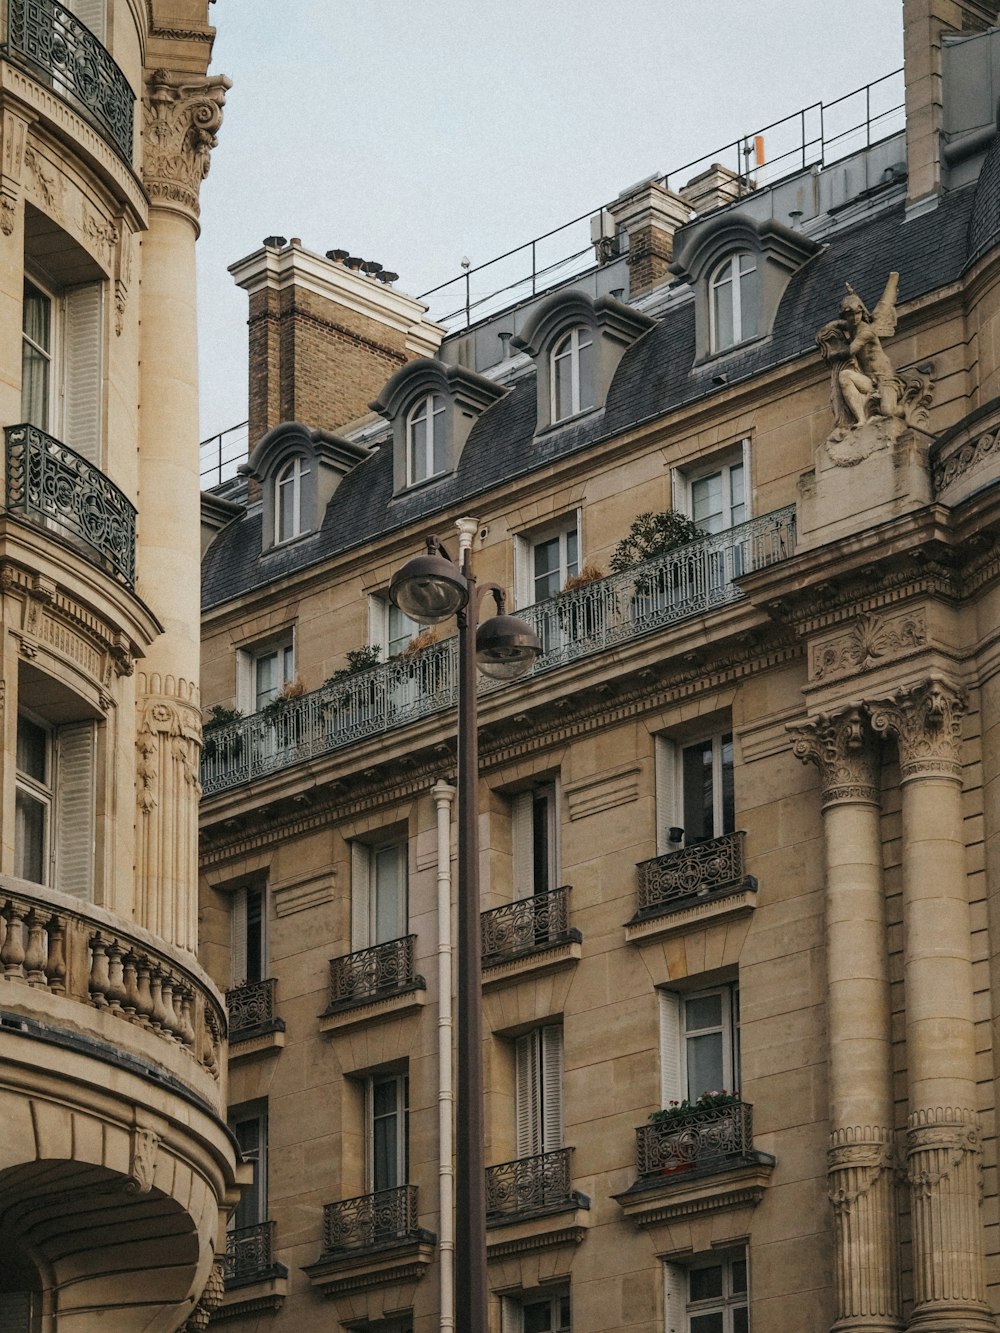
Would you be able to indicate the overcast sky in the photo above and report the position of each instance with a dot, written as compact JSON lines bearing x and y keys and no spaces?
{"x":419,"y":132}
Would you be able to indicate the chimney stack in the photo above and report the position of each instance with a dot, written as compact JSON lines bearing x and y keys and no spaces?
{"x":650,"y":214}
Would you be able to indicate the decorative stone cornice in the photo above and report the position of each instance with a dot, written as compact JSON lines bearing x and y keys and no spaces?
{"x":926,"y":722}
{"x":181,"y":119}
{"x":841,"y":746}
{"x":872,"y":639}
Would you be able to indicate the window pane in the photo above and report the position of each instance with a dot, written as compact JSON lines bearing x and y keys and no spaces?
{"x":741,"y":1320}
{"x":29,"y":837}
{"x":32,"y":749}
{"x":418,"y":448}
{"x":722,"y":298}
{"x":737,"y":495}
{"x":586,"y":364}
{"x":572,"y":553}
{"x":703,"y":1011}
{"x":401,"y":630}
{"x":438,"y":434}
{"x":266,"y":679}
{"x":389,"y":910}
{"x":286,"y":527}
{"x":255,"y":935}
{"x":706,"y":1283}
{"x":547,"y":580}
{"x":540,"y":842}
{"x":706,"y":503}
{"x":707,"y":1323}
{"x":704,"y":1065}
{"x":537,"y":1317}
{"x":698,"y":803}
{"x":739,"y":1271}
{"x":728,"y":795}
{"x":562,"y":373}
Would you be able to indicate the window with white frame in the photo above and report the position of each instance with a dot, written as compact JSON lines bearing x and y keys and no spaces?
{"x":426,"y":441}
{"x":709,"y":1295}
{"x":263,"y":671}
{"x":534,"y":840}
{"x":55,"y":824}
{"x":289,"y":495}
{"x":733,"y":298}
{"x":538,"y":1080}
{"x":699,"y":1043}
{"x":546,"y":558}
{"x":572,"y":373}
{"x":249,"y":1125}
{"x":390,"y":628}
{"x":715,"y":491}
{"x":387,"y":1098}
{"x":61,"y":364}
{"x":249,"y":920}
{"x":537,"y":1312}
{"x":379,"y":911}
{"x":695,"y":792}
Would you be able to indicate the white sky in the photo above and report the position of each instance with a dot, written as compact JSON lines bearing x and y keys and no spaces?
{"x":416,"y":132}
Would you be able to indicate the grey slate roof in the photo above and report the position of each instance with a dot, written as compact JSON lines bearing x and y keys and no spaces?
{"x":655,"y":376}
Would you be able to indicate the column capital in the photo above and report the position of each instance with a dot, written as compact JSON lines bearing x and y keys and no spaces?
{"x":841,"y":746}
{"x":181,"y":116}
{"x":926,"y":721}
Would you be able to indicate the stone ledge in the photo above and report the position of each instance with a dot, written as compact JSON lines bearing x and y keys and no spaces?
{"x":665,"y":1199}
{"x":564,"y":953}
{"x":567,"y":1225}
{"x":402,"y":1261}
{"x":692,"y":913}
{"x":257,"y":1042}
{"x":371,"y":1010}
{"x":265,"y":1291}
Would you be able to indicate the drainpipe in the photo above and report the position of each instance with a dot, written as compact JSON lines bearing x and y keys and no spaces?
{"x":444,"y":796}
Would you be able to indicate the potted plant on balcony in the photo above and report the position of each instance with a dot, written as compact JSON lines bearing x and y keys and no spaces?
{"x":220,"y":716}
{"x":287,"y":722}
{"x":363,"y":696}
{"x":674,"y":1115}
{"x":650,"y":537}
{"x":583,"y":617}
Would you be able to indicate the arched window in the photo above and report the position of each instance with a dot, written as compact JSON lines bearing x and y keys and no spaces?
{"x":734,"y":300}
{"x":573,"y":373}
{"x":425,"y":439}
{"x":288,"y":508}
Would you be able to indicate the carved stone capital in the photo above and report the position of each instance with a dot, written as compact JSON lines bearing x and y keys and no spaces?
{"x":840,"y":744}
{"x":181,"y":119}
{"x":926,"y":721}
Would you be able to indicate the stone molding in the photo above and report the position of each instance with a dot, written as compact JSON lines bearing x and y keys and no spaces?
{"x":870,"y":640}
{"x":926,"y":720}
{"x":181,"y":119}
{"x":841,"y":746}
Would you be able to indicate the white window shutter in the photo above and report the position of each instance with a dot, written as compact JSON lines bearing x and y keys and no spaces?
{"x":522,"y":844}
{"x":361,"y":862}
{"x":239,"y":938}
{"x":675,"y":1293}
{"x":680,"y":492}
{"x":522,"y":572}
{"x":75,"y":824}
{"x":747,"y":488}
{"x":668,"y":813}
{"x":526,"y":1094}
{"x":92,"y":13}
{"x":552,"y":1086}
{"x":82,"y":371}
{"x":671,"y":1071}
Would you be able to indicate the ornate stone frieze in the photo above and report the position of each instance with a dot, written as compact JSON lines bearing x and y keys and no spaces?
{"x":14,"y":136}
{"x":861,"y":1184}
{"x":951,"y":467}
{"x":870,"y":640}
{"x":182,"y":117}
{"x":926,"y":721}
{"x":840,"y":744}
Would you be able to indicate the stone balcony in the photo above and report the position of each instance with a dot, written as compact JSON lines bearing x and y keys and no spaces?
{"x":531,"y":1204}
{"x":255,"y":1280}
{"x":253,"y":1018}
{"x":528,"y":935}
{"x":705,"y":879}
{"x":370,"y":1240}
{"x":373,"y":983}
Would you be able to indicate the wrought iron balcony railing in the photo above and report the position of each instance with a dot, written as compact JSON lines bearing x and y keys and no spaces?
{"x":530,"y":1185}
{"x":527,"y":925}
{"x":53,"y":485}
{"x":66,"y":55}
{"x":701,"y":1139}
{"x":252,"y":1009}
{"x":249,"y":1253}
{"x":373,"y":973}
{"x":388,"y":1217}
{"x":590,"y":619}
{"x":709,"y":869}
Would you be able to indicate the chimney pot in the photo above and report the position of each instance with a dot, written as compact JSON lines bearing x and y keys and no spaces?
{"x":274,"y":242}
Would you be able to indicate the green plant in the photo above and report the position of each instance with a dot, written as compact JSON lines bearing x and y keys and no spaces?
{"x":219,"y":715}
{"x":651,"y":535}
{"x":358,"y":659}
{"x":706,"y":1102}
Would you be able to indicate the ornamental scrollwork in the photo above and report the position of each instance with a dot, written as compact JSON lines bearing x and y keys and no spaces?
{"x":182,"y":117}
{"x":926,"y":720}
{"x":870,"y":640}
{"x":841,"y":746}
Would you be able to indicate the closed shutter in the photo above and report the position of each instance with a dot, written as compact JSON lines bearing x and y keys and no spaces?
{"x":82,"y":371}
{"x":239,"y":937}
{"x":665,"y":777}
{"x":522,"y":843}
{"x":675,"y":1293}
{"x":90,"y":12}
{"x":552,"y":1085}
{"x":671,"y":1071}
{"x":527,"y":1095}
{"x":75,"y":817}
{"x":361,"y":859}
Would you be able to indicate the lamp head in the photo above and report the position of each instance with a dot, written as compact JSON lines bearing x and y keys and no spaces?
{"x":429,"y":589}
{"x":506,"y":647}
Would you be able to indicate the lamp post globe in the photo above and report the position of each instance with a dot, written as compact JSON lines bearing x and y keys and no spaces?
{"x":429,"y":589}
{"x":506,"y":647}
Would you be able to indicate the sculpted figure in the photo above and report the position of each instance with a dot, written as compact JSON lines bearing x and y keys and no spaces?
{"x":863,"y":384}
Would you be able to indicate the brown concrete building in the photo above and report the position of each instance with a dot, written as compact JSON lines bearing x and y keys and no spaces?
{"x":740,"y":826}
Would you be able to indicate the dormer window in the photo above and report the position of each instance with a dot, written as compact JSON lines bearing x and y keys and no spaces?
{"x":288,"y":496}
{"x":734,"y":300}
{"x":573,"y":373}
{"x":426,"y":439}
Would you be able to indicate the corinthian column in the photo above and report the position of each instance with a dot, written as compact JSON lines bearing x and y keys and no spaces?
{"x":860,"y":1158}
{"x":181,"y":116}
{"x":943,"y":1145}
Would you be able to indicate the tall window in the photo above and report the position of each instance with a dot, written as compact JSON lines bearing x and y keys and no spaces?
{"x":538,"y":1090}
{"x":573,"y":373}
{"x":379,"y":891}
{"x":36,"y":356}
{"x":250,"y":1128}
{"x":554,"y":560}
{"x":425,"y":439}
{"x":54,"y":826}
{"x":718,"y":499}
{"x":539,"y":1312}
{"x":534,"y":830}
{"x":249,"y":920}
{"x":263,"y":672}
{"x":734,"y":300}
{"x":695,"y":793}
{"x":699,"y":1043}
{"x":61,"y":364}
{"x":289,"y":487}
{"x":710,"y":1295}
{"x":387,"y":1098}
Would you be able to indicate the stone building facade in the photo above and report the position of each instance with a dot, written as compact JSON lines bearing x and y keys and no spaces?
{"x":739,"y":827}
{"x":117,"y":1171}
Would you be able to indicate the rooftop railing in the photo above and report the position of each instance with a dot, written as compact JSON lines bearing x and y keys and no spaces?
{"x":693,"y":579}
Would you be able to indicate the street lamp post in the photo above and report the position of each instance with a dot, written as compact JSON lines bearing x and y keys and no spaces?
{"x":430,"y":589}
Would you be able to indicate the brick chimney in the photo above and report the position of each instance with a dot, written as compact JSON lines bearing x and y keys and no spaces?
{"x":650,"y":214}
{"x":325,"y":334}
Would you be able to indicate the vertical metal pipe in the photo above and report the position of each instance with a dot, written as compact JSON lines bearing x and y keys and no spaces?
{"x":444,"y":796}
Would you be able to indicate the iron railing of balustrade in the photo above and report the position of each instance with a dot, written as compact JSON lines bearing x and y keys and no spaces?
{"x":527,"y":925}
{"x":373,"y":973}
{"x":691,"y":580}
{"x":67,"y":56}
{"x":529,"y":1185}
{"x":384,"y":1218}
{"x":249,"y":1252}
{"x":699,"y":1138}
{"x":52,"y":485}
{"x":220,"y":455}
{"x":252,"y":1007}
{"x":705,"y":869}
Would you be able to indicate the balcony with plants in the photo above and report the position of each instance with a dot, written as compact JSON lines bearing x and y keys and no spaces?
{"x":369,"y":698}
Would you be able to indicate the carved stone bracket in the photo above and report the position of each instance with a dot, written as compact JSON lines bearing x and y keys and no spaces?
{"x":926,"y":722}
{"x":182,"y":117}
{"x":14,"y":134}
{"x":142,"y":1161}
{"x":841,"y":746}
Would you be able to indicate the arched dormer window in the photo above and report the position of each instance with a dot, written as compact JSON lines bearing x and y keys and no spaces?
{"x":573,"y":373}
{"x":289,"y":484}
{"x":426,"y":439}
{"x":735,"y":303}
